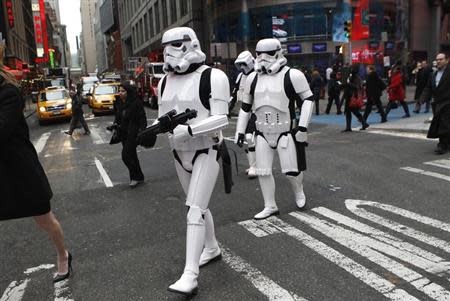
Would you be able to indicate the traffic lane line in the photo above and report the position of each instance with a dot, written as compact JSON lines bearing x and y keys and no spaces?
{"x":42,"y":141}
{"x":106,"y":179}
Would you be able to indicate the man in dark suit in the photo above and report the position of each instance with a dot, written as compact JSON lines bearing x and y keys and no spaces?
{"x":439,"y":89}
{"x":422,"y":79}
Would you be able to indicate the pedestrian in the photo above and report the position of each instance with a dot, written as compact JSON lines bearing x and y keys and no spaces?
{"x":24,"y":187}
{"x":374,"y":89}
{"x":130,"y":120}
{"x":423,"y":76}
{"x":77,"y":111}
{"x":396,"y":91}
{"x":438,"y":89}
{"x":334,"y":91}
{"x":245,"y":63}
{"x":328,"y":72}
{"x":352,"y":90}
{"x":274,"y":91}
{"x":316,"y":88}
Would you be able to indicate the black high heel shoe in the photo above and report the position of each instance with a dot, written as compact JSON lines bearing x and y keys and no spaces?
{"x":62,"y":277}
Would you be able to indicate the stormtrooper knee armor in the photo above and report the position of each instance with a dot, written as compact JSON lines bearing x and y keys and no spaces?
{"x":273,"y":91}
{"x":194,"y":144}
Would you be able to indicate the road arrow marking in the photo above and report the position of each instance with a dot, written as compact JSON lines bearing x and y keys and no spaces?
{"x":427,"y":173}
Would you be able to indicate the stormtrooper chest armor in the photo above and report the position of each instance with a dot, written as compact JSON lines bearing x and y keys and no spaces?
{"x":271,"y":104}
{"x":181,"y":92}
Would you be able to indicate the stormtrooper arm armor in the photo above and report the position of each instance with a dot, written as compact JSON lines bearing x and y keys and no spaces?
{"x":301,"y":87}
{"x":220,"y":96}
{"x":245,"y":111}
{"x":233,"y":98}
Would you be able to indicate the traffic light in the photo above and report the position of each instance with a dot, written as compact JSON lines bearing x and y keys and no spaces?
{"x":348,"y":29}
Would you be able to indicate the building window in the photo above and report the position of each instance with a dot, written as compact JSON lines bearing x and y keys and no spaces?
{"x":157,"y":25}
{"x":164,"y":13}
{"x":183,"y":7}
{"x":173,"y":9}
{"x":141,"y":32}
{"x":150,"y":17}
{"x":146,"y":29}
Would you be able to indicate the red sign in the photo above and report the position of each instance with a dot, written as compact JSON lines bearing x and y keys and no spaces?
{"x":9,"y":12}
{"x":360,"y":28}
{"x":40,"y":30}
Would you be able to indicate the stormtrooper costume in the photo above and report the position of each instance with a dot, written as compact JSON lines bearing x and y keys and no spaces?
{"x":267,"y":91}
{"x":194,"y":144}
{"x":245,"y":63}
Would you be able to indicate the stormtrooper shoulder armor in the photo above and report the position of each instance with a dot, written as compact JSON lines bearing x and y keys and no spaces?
{"x":249,"y":88}
{"x":220,"y":92}
{"x":300,"y":83}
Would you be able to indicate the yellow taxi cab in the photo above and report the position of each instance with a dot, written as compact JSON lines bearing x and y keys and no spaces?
{"x":54,"y":103}
{"x":102,"y":98}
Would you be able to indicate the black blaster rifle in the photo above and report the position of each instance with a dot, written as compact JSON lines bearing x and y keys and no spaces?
{"x":167,"y":122}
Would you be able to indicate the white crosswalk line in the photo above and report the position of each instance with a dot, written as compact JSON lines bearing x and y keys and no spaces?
{"x":63,"y":291}
{"x":103,"y":173}
{"x":352,"y":205}
{"x":264,"y":284}
{"x":444,"y":163}
{"x":15,"y":290}
{"x":365,"y":275}
{"x":40,"y":144}
{"x":95,"y":135}
{"x":400,"y":134}
{"x":259,"y":228}
{"x":368,"y":247}
{"x":391,"y":245}
{"x":427,"y":173}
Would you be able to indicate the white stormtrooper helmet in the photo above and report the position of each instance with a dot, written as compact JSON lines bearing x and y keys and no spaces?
{"x":270,"y":56}
{"x":181,"y":49}
{"x":245,"y":62}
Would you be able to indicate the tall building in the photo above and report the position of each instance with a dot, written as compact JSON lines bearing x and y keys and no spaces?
{"x":110,"y":27}
{"x":55,"y":5}
{"x":16,"y":27}
{"x":142,"y":24}
{"x":88,"y":44}
{"x":100,"y":41}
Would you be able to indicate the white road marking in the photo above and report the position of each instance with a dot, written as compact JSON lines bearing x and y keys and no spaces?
{"x":444,"y":163}
{"x":39,"y":268}
{"x":426,"y":173}
{"x":352,"y":205}
{"x":62,"y":291}
{"x":15,"y":290}
{"x":394,"y":246}
{"x":365,"y":275}
{"x":369,"y":248}
{"x":40,"y":144}
{"x":95,"y":135}
{"x":400,"y":134}
{"x":259,"y":228}
{"x":264,"y":284}
{"x":103,"y":173}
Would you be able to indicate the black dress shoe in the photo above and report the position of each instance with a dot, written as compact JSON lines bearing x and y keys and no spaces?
{"x":346,"y":130}
{"x":61,"y":277}
{"x":440,"y":149}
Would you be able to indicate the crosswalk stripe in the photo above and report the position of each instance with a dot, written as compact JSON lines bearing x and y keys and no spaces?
{"x":369,"y":248}
{"x":362,"y":273}
{"x":15,"y":290}
{"x":427,"y":173}
{"x":444,"y":163}
{"x":258,"y":228}
{"x":400,"y":134}
{"x":264,"y":284}
{"x":352,"y":205}
{"x":63,"y":291}
{"x":96,"y":136}
{"x":387,"y":244}
{"x":103,"y":173}
{"x":40,"y":144}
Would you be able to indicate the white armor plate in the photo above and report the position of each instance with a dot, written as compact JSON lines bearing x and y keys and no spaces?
{"x":271,"y":104}
{"x":181,"y":92}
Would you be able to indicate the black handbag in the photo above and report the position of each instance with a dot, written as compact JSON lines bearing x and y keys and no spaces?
{"x":115,"y":137}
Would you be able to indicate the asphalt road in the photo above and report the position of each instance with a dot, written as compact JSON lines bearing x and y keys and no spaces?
{"x":129,"y":244}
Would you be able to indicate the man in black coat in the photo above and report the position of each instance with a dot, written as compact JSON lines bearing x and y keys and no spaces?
{"x":374,"y":89}
{"x":438,"y":88}
{"x":422,"y":80}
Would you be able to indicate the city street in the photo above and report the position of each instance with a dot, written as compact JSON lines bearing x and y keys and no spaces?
{"x":376,"y":225}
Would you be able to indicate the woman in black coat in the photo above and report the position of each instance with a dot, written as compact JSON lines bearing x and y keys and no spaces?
{"x":24,"y":188}
{"x":130,"y":118}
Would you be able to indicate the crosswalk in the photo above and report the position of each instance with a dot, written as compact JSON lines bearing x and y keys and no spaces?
{"x":442,"y":164}
{"x":406,"y":260}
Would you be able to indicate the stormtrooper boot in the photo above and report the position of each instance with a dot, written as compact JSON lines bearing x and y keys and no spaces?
{"x":297,"y":186}
{"x":251,"y":171}
{"x":195,"y":238}
{"x":211,"y":251}
{"x":267,"y":184}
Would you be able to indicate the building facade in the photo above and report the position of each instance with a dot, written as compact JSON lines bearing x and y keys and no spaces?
{"x":16,"y":27}
{"x":142,"y":24}
{"x":88,"y":43}
{"x":110,"y":28}
{"x":100,"y":41}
